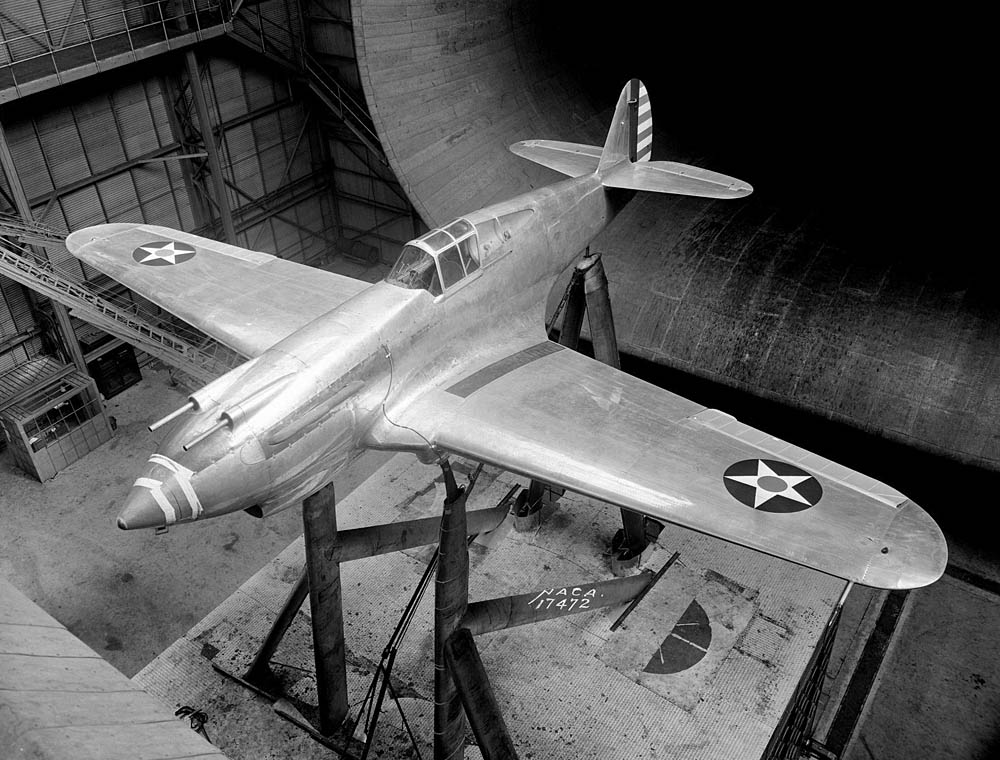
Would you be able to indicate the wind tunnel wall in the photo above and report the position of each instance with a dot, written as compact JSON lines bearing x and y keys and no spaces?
{"x":450,"y":85}
{"x":756,"y":295}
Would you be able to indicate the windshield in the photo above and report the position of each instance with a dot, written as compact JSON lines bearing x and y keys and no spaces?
{"x":415,"y":270}
{"x":450,"y":254}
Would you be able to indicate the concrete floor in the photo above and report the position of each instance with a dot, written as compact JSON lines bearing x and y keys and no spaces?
{"x":129,"y":595}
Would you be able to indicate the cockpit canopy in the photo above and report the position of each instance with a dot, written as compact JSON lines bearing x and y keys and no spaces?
{"x":442,"y":257}
{"x":446,"y":257}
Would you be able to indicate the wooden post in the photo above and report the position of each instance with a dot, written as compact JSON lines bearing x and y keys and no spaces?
{"x":451,"y":597}
{"x":528,"y":509}
{"x":599,"y":317}
{"x":631,"y":541}
{"x":350,"y":545}
{"x":573,"y":310}
{"x":319,"y":519}
{"x":477,"y":695}
{"x":260,"y":670}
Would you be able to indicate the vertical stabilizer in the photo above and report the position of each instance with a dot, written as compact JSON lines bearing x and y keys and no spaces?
{"x":624,"y":161}
{"x":631,"y":135}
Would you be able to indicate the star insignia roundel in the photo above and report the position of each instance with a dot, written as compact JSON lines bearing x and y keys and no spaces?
{"x":772,"y":486}
{"x":163,"y":253}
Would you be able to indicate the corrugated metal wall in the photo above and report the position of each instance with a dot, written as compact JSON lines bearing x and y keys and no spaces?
{"x":99,"y":157}
{"x":77,"y":163}
{"x":16,"y":318}
{"x":299,"y":185}
{"x":20,"y":23}
{"x":369,"y":209}
{"x":275,"y":181}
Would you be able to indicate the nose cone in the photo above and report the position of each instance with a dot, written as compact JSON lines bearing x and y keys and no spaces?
{"x":141,"y":510}
{"x":913,"y":552}
{"x":163,"y":495}
{"x":170,"y":492}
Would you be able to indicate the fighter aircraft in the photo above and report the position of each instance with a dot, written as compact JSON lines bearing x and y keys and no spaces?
{"x":449,"y":354}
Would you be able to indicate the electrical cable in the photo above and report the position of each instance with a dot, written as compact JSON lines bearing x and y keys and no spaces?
{"x":431,"y":446}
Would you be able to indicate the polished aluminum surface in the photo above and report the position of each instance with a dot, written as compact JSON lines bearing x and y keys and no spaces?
{"x":450,"y":354}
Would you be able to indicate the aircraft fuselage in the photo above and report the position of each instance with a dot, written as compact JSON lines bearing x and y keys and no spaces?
{"x":270,"y":432}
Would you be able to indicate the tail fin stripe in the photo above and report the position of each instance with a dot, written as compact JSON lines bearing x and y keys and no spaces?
{"x":644,"y":126}
{"x":644,"y":148}
{"x":631,"y":134}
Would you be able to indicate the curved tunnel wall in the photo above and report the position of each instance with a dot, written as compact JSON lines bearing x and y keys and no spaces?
{"x":450,"y":85}
{"x":758,"y":295}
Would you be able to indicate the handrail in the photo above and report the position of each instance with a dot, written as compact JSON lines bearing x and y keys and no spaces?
{"x":126,"y":21}
{"x":338,"y":97}
{"x":342,"y":94}
{"x":187,"y":8}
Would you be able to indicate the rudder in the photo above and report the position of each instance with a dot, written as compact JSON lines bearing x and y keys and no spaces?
{"x":630,"y":137}
{"x":625,"y":160}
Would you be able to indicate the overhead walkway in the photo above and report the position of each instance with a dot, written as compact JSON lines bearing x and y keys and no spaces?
{"x":109,"y":306}
{"x":38,"y":56}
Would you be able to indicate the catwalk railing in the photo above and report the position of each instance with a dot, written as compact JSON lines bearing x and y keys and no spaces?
{"x":251,"y":27}
{"x":36,"y":56}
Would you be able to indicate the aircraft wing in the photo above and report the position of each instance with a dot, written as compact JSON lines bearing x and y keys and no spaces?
{"x":553,"y":414}
{"x":244,"y":299}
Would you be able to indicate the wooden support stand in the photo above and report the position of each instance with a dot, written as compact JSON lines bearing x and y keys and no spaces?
{"x":451,"y":597}
{"x":588,"y":292}
{"x":473,"y":685}
{"x":319,"y":519}
{"x":461,"y":686}
{"x":326,"y":548}
{"x":259,"y":672}
{"x":459,"y":677}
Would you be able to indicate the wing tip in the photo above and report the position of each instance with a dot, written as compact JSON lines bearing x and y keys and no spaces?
{"x":913,"y":552}
{"x":85,"y":236}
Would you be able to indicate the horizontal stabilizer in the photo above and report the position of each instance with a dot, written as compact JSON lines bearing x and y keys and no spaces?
{"x":680,"y":179}
{"x":572,"y":159}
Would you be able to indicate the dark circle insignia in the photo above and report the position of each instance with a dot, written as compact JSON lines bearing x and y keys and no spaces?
{"x":772,"y":486}
{"x":163,"y":253}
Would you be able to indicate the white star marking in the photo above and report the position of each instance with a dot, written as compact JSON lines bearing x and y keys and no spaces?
{"x":764,"y":494}
{"x":166,"y":252}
